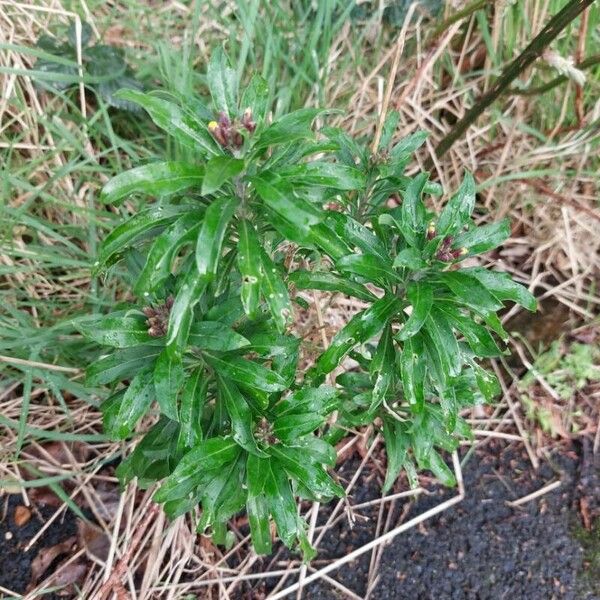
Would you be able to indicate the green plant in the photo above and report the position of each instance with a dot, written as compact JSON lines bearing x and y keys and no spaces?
{"x":104,"y":67}
{"x":215,"y":264}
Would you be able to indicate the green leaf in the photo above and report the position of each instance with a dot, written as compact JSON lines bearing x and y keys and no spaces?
{"x":367,"y":266}
{"x":174,"y":120}
{"x":246,"y":372}
{"x":326,"y":174}
{"x":257,"y":506}
{"x":212,"y":335}
{"x":444,"y":345}
{"x":420,"y":296}
{"x":458,"y":209}
{"x":312,"y":476}
{"x":281,"y":502}
{"x":483,"y":238}
{"x":240,"y":415}
{"x":165,"y":249}
{"x":249,"y":267}
{"x":361,"y":328}
{"x":141,"y":223}
{"x":256,"y":98}
{"x":275,"y":292}
{"x":503,"y":287}
{"x":222,"y":82}
{"x":410,"y":258}
{"x":182,"y":311}
{"x":357,"y":235}
{"x":208,"y":455}
{"x":440,"y":469}
{"x":406,"y":147}
{"x":290,"y":427}
{"x":119,"y":331}
{"x":412,"y":211}
{"x":321,"y":280}
{"x":211,"y":236}
{"x":219,"y":170}
{"x":278,"y":195}
{"x":470,"y":292}
{"x":321,"y":400}
{"x":383,"y":366}
{"x":412,"y":372}
{"x":289,"y":128}
{"x":478,"y":337}
{"x":122,"y":364}
{"x":168,"y":380}
{"x":397,"y":443}
{"x":134,"y":404}
{"x":193,"y":399}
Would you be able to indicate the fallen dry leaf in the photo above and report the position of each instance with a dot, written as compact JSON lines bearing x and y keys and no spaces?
{"x":68,"y":575}
{"x":46,"y":556}
{"x":93,"y":539}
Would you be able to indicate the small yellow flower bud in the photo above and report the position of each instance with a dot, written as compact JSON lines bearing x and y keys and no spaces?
{"x":212,"y":125}
{"x":464,"y":251}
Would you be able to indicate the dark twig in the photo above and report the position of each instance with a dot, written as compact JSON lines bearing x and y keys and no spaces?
{"x":556,"y":24}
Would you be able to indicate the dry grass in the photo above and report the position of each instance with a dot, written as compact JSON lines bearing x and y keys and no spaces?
{"x":545,"y":181}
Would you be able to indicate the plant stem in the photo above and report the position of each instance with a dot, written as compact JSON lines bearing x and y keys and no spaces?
{"x":556,"y":24}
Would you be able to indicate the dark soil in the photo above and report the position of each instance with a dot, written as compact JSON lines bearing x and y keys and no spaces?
{"x":480,"y":548}
{"x":15,"y":563}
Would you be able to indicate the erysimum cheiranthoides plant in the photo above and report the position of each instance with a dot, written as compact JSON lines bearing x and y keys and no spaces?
{"x":214,"y":261}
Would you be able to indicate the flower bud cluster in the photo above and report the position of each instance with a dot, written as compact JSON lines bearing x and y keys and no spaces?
{"x":158,"y":317}
{"x":229,"y":134}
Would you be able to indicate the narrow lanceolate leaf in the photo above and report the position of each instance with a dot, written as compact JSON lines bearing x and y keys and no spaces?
{"x":477,"y":336}
{"x":240,"y":415}
{"x":134,"y":404}
{"x":445,"y":345}
{"x":356,"y":235}
{"x":257,"y":470}
{"x":218,"y":171}
{"x":143,"y":222}
{"x":249,"y":267}
{"x":119,"y":331}
{"x":483,"y":238}
{"x":412,"y":372}
{"x":361,"y":328}
{"x":367,"y":266}
{"x":164,"y":250}
{"x":503,"y":287}
{"x":290,"y":427}
{"x":458,"y":209}
{"x":168,"y":380}
{"x":383,"y":366}
{"x":289,"y":128}
{"x":246,"y":372}
{"x":172,"y":119}
{"x":413,"y":211}
{"x":193,"y":398}
{"x":275,"y":292}
{"x":155,"y":179}
{"x":213,"y":335}
{"x":326,"y":174}
{"x":406,"y":147}
{"x":208,"y":455}
{"x":311,"y":476}
{"x":121,"y":364}
{"x":222,"y":82}
{"x":329,"y":282}
{"x":282,"y":505}
{"x":212,"y":233}
{"x":182,"y":311}
{"x":420,"y":296}
{"x":256,"y":98}
{"x":298,"y":214}
{"x":397,"y":442}
{"x":470,"y":291}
